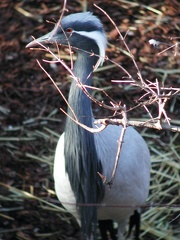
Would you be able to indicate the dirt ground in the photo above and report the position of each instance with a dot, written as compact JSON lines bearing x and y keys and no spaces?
{"x":30,"y":119}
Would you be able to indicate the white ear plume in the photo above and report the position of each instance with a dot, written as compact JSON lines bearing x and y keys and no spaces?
{"x":100,"y":39}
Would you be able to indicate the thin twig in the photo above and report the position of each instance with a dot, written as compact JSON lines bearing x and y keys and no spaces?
{"x":120,"y":142}
{"x":155,"y":124}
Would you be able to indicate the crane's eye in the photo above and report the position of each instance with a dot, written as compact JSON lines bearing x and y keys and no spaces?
{"x":69,"y":30}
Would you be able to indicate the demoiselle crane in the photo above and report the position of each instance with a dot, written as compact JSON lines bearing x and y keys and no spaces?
{"x":81,"y":154}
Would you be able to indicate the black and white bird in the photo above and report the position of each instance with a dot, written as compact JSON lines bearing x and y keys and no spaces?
{"x":81,"y":154}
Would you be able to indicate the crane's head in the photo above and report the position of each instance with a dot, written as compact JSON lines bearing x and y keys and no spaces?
{"x":83,"y":31}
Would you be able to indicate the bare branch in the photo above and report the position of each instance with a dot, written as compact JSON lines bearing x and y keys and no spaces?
{"x":148,"y":124}
{"x":151,"y":92}
{"x":120,"y":142}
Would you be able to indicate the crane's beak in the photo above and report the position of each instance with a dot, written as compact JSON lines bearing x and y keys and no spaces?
{"x":48,"y":38}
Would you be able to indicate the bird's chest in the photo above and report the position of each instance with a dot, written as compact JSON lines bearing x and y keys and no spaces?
{"x":62,"y":184}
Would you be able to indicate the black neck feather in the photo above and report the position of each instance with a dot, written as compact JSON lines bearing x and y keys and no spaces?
{"x":82,"y":163}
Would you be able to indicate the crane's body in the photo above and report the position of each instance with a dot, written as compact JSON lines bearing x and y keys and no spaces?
{"x":130,"y":186}
{"x":81,"y":154}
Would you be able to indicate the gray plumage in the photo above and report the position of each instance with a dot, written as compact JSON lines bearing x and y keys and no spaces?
{"x":81,"y":154}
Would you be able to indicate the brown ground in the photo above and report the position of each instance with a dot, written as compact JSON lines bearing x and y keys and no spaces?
{"x":29,"y":103}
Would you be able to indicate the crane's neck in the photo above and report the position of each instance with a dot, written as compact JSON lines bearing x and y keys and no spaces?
{"x":78,"y":100}
{"x":82,"y":163}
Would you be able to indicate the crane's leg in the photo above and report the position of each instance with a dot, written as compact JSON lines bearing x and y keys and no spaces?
{"x":106,"y":226}
{"x":134,"y":221}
